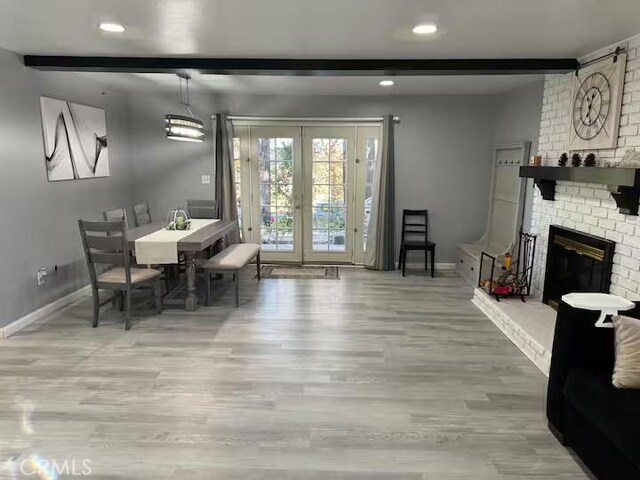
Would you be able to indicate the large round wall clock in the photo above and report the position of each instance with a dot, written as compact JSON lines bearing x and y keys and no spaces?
{"x":596,"y":103}
{"x":591,"y":106}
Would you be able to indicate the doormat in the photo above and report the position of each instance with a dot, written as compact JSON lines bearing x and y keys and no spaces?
{"x":297,"y":271}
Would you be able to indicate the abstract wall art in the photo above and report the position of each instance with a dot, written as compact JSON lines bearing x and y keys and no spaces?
{"x":75,"y":140}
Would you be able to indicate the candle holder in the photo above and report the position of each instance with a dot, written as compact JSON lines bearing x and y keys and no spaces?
{"x":536,"y":161}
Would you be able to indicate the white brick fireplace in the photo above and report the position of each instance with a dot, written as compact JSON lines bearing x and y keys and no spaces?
{"x":587,"y":207}
{"x":584,"y":207}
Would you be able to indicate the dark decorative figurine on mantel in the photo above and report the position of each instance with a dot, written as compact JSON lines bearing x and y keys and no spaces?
{"x":576,"y":160}
{"x":590,"y":160}
{"x":562,"y":161}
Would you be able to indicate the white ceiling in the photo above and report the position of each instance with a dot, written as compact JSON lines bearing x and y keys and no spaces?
{"x":318,"y":28}
{"x":294,"y":85}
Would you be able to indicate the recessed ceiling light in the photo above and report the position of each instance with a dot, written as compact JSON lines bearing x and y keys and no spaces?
{"x":387,"y":83}
{"x":112,"y":27}
{"x":425,"y":29}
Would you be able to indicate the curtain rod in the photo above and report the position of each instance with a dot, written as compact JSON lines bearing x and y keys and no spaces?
{"x":396,"y":119}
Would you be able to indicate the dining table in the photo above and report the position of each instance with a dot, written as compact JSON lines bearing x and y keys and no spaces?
{"x":189,"y":246}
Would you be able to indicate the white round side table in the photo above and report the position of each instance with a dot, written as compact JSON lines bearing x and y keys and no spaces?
{"x":606,"y":303}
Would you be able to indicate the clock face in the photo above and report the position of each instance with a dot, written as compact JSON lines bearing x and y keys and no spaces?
{"x":591,"y":106}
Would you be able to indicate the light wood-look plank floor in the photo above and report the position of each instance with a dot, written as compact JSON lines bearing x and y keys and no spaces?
{"x":372,"y":376}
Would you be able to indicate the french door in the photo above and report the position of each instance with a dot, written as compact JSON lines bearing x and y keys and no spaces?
{"x":304,"y":192}
{"x":276,"y":183}
{"x":329,"y":159}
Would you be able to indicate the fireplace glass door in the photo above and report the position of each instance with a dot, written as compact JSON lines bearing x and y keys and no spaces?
{"x":576,"y":262}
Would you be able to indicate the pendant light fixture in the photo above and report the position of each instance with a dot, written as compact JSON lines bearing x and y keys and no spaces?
{"x":182,"y":127}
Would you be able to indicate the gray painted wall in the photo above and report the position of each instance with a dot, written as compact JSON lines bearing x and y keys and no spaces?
{"x":39,"y":219}
{"x":165,"y":173}
{"x":518,"y":119}
{"x":443,"y":153}
{"x":443,"y":163}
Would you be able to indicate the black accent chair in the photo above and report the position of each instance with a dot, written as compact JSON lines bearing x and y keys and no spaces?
{"x":599,"y":422}
{"x":415,"y":236}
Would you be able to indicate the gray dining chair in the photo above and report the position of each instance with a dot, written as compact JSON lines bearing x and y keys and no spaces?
{"x":142,"y":214}
{"x":205,"y":209}
{"x":202,"y":208}
{"x":115,"y":215}
{"x":105,"y":243}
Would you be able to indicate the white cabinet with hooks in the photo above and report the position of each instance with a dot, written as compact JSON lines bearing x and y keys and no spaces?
{"x":506,"y":206}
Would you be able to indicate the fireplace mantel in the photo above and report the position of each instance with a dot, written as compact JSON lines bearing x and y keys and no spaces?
{"x":623,"y":183}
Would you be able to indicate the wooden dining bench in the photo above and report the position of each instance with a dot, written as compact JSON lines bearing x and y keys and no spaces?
{"x":233,"y":258}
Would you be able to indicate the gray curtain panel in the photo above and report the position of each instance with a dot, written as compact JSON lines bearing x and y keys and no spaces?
{"x":224,"y":174}
{"x":380,"y":253}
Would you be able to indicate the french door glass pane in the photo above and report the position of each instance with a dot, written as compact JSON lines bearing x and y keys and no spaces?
{"x":276,"y":193}
{"x":320,"y":147}
{"x":337,"y":173}
{"x":321,"y":218}
{"x":338,"y":149}
{"x":321,"y":173}
{"x":336,"y":196}
{"x":329,"y":163}
{"x":320,"y":239}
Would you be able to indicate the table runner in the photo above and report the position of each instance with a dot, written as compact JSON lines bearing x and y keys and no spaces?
{"x":161,"y":247}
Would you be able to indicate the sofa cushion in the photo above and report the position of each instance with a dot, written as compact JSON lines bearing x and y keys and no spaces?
{"x":626,"y":372}
{"x":616,"y":413}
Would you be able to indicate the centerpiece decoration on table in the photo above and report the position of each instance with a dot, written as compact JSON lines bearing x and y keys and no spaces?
{"x":178,"y":219}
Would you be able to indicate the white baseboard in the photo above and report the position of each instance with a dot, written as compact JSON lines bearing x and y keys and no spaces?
{"x":42,"y":312}
{"x":445,"y":266}
{"x":439,"y":266}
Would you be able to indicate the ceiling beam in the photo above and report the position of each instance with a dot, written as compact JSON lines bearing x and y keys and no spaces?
{"x":319,"y":67}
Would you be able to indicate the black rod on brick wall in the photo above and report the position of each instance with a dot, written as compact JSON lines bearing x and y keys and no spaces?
{"x":275,"y":66}
{"x":614,"y":54}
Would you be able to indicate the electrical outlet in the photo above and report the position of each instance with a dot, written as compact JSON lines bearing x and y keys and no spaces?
{"x":206,"y":179}
{"x":41,"y":275}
